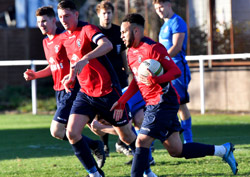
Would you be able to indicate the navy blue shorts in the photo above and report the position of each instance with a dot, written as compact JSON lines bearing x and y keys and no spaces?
{"x":64,"y":102}
{"x":161,"y":120}
{"x":92,"y":106}
{"x":181,"y":83}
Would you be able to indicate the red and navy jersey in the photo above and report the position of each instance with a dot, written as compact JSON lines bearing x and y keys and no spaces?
{"x":56,"y":56}
{"x":149,"y":49}
{"x":94,"y":78}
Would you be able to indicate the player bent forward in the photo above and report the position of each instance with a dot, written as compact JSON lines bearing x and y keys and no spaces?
{"x":162,"y":103}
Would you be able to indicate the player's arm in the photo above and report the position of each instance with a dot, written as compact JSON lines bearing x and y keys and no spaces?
{"x":69,"y":79}
{"x":178,"y":39}
{"x":119,"y":106}
{"x":103,"y":47}
{"x":171,"y":70}
{"x":29,"y":74}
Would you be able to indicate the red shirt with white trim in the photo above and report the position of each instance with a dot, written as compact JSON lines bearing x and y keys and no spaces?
{"x":149,"y":49}
{"x":56,"y":56}
{"x":94,"y":78}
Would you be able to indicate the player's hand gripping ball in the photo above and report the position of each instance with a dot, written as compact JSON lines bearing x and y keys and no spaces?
{"x":147,"y":66}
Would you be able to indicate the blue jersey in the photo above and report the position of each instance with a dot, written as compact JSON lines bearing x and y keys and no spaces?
{"x":135,"y":103}
{"x":174,"y":25}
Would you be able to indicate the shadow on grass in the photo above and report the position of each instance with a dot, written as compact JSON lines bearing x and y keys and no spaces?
{"x":33,"y":143}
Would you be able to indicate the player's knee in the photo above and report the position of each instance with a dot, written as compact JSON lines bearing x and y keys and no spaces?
{"x":137,"y":123}
{"x":125,"y":139}
{"x":174,"y":152}
{"x":71,"y":135}
{"x":59,"y":134}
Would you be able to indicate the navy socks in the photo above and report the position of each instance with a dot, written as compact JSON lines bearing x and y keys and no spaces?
{"x":141,"y":159}
{"x":83,"y":153}
{"x":195,"y":150}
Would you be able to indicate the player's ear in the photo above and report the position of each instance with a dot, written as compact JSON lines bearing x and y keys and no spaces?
{"x":77,"y":14}
{"x":135,"y":30}
{"x":54,"y":20}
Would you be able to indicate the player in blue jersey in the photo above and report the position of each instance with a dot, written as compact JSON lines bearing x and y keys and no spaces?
{"x":173,"y":35}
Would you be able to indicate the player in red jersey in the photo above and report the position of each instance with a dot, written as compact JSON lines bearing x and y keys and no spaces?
{"x":59,"y":67}
{"x":117,"y":57}
{"x":162,"y":102}
{"x":86,"y":47}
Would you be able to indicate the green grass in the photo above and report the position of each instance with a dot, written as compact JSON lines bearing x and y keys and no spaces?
{"x":28,"y":150}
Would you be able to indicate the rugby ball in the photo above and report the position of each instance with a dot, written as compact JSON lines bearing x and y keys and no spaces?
{"x":153,"y":65}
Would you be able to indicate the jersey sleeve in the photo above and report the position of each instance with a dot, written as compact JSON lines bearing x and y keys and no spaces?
{"x":93,"y":33}
{"x":179,"y":26}
{"x":171,"y":70}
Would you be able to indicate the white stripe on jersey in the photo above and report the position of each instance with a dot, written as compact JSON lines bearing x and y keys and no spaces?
{"x":97,"y":37}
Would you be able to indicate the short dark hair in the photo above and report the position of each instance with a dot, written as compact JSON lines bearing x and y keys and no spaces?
{"x":134,"y":18}
{"x":46,"y":10}
{"x":67,"y":4}
{"x":160,"y":1}
{"x":106,"y":4}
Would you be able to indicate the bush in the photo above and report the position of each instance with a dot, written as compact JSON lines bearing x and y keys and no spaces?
{"x":18,"y":98}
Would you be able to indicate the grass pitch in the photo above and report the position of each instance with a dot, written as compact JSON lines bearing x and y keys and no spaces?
{"x":28,"y":150}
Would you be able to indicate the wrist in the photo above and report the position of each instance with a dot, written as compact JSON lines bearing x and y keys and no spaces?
{"x":121,"y":104}
{"x":153,"y":79}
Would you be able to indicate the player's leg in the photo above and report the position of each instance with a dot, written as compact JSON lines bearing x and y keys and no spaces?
{"x":101,"y":127}
{"x":121,"y":147}
{"x":105,"y":139}
{"x":195,"y":150}
{"x":96,"y":128}
{"x":81,"y":114}
{"x":75,"y":126}
{"x":140,"y":165}
{"x":58,"y":125}
{"x":138,"y":116}
{"x":126,"y":134}
{"x":181,"y":85}
{"x":58,"y":130}
{"x":186,"y":123}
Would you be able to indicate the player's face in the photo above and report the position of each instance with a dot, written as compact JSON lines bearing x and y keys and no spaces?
{"x":127,"y":34}
{"x":162,"y":9}
{"x":105,"y":17}
{"x":68,"y":19}
{"x":45,"y":24}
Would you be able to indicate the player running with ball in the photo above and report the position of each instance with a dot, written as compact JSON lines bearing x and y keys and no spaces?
{"x":162,"y":102}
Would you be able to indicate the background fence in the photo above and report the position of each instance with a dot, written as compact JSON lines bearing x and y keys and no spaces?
{"x":200,"y":58}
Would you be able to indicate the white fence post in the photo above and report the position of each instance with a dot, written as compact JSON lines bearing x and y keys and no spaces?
{"x":33,"y":91}
{"x":202,"y":87}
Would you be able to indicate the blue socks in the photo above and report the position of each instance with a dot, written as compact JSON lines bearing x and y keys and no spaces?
{"x":186,"y":125}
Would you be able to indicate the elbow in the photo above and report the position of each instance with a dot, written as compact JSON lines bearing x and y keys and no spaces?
{"x":109,"y":46}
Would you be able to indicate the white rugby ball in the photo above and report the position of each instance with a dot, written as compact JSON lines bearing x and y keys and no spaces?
{"x":153,"y":65}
